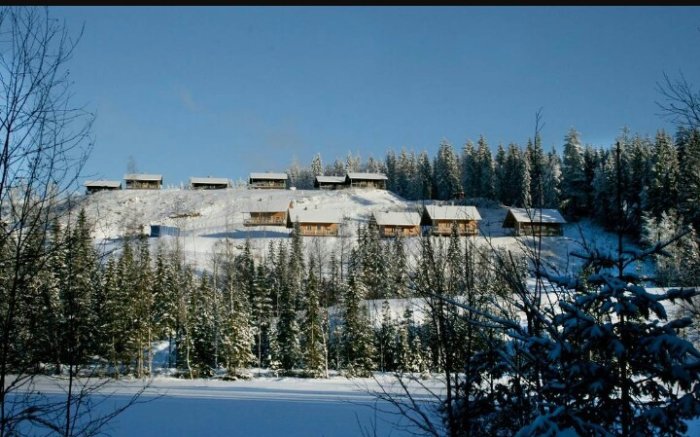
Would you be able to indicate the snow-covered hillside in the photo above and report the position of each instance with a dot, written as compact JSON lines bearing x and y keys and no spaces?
{"x":206,"y":217}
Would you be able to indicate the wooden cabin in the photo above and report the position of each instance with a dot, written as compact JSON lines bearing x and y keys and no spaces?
{"x":101,"y":185}
{"x":534,"y":221}
{"x":391,"y":224}
{"x":329,"y":182}
{"x":315,"y":222}
{"x":268,"y":213}
{"x":268,"y":181}
{"x":143,"y":181}
{"x":209,"y":183}
{"x":440,"y":219}
{"x":366,"y":180}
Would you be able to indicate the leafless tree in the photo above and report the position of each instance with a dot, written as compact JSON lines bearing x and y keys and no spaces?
{"x":680,"y":101}
{"x":44,"y":143}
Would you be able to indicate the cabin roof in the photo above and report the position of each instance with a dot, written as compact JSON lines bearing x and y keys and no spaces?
{"x":532,"y":215}
{"x":452,"y":212}
{"x":371,"y":176}
{"x":275,"y":176}
{"x":313,"y":216}
{"x":209,"y":181}
{"x":330,"y":179}
{"x":397,"y":218}
{"x":143,"y":177}
{"x":269,"y":205}
{"x":103,"y":183}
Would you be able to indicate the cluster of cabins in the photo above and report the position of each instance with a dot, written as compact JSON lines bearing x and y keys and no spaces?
{"x":153,"y":182}
{"x":433,"y":219}
{"x":350,"y":180}
{"x":277,"y":181}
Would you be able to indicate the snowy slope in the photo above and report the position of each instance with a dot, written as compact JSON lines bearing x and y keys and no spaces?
{"x":205,"y":217}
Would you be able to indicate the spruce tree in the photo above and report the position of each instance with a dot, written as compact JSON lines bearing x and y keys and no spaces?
{"x":357,"y":331}
{"x":689,"y":179}
{"x":591,"y":161}
{"x":142,"y":307}
{"x":536,"y":160}
{"x":573,"y":183}
{"x":446,"y":168}
{"x":552,"y":180}
{"x":663,"y":186}
{"x":385,"y":339}
{"x":391,"y":172}
{"x":203,"y":328}
{"x":316,"y":165}
{"x":500,"y":179}
{"x":287,"y":339}
{"x":314,"y":347}
{"x":425,"y":176}
{"x":261,"y":313}
{"x":469,"y":176}
{"x":484,"y":184}
{"x":639,"y":169}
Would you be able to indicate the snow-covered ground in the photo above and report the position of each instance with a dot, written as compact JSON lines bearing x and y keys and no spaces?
{"x":264,"y":406}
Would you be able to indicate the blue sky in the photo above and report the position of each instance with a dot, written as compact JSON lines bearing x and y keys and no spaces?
{"x":223,"y":91}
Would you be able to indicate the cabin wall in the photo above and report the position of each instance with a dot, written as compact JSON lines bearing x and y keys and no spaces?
{"x":543,"y":229}
{"x":464,"y":227}
{"x":90,"y":190}
{"x":209,"y":186}
{"x":388,"y":231}
{"x":380,"y":185}
{"x":143,"y":185}
{"x":278,"y":218}
{"x":330,"y":186}
{"x":267,"y":184}
{"x":318,"y":229}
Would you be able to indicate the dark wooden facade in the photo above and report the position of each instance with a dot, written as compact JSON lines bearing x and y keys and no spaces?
{"x":143,"y":182}
{"x":535,"y":222}
{"x":274,"y":181}
{"x":314,"y":223}
{"x":329,"y":182}
{"x":392,"y":224}
{"x":366,"y":180}
{"x":96,"y":186}
{"x":440,"y":219}
{"x":266,"y":218}
{"x":209,"y":183}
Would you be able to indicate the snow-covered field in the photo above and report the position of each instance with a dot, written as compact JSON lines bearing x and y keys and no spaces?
{"x":263,"y":406}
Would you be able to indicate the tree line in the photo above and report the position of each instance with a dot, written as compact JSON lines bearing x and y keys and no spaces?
{"x":658,"y":176}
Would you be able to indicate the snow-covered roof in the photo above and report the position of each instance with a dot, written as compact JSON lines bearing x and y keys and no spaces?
{"x":209,"y":181}
{"x":452,"y":212}
{"x":533,"y":215}
{"x":374,"y":176}
{"x":269,"y":205}
{"x":403,"y":218}
{"x":330,"y":179}
{"x":103,"y":183}
{"x":314,"y":215}
{"x":142,"y":177}
{"x":276,"y":176}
